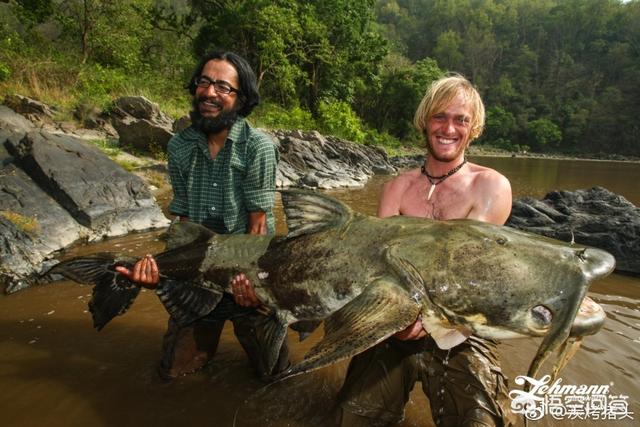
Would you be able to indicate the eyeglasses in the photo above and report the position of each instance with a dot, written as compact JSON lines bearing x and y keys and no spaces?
{"x":219,"y":85}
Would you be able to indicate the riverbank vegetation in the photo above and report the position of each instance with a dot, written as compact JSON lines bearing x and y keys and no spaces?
{"x":557,"y":76}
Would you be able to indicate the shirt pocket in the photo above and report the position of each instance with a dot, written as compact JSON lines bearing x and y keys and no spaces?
{"x":238,"y":164}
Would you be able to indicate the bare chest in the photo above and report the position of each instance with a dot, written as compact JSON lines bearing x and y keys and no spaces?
{"x":443,"y":201}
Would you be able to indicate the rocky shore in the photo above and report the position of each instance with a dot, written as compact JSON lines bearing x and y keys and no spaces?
{"x":57,"y":187}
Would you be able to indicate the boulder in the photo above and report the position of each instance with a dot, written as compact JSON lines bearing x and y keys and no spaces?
{"x":309,"y":159}
{"x":33,"y":110}
{"x":12,"y":123}
{"x":96,"y":191}
{"x":595,"y":217}
{"x":91,"y":117}
{"x":140,"y":124}
{"x":33,"y":225}
{"x":56,"y":189}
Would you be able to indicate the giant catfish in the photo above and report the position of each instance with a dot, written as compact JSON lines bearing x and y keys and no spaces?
{"x":367,"y":278}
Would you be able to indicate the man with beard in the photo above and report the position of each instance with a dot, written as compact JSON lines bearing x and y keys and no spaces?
{"x":223,"y":176}
{"x":465,"y":385}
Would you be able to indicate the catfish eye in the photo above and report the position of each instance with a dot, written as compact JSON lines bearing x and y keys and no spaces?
{"x":542,"y":315}
{"x":501,"y":240}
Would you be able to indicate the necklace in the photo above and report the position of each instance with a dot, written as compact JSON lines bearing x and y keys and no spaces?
{"x":435,"y":180}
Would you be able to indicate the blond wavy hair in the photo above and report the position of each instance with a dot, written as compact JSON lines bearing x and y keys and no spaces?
{"x":441,"y":93}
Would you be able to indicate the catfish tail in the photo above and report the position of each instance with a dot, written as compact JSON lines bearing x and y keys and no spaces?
{"x":112,"y":294}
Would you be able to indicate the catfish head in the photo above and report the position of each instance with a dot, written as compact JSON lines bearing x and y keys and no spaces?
{"x":499,"y":283}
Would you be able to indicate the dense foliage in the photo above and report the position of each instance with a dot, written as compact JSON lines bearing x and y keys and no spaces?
{"x":556,"y":75}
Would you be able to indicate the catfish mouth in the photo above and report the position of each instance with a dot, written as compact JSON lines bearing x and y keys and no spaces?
{"x":586,"y":317}
{"x":589,"y":320}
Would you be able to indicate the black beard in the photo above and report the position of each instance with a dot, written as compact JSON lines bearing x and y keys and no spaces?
{"x":212,"y":125}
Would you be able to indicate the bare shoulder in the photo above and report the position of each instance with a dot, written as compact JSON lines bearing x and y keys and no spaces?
{"x":485,"y":177}
{"x":393,"y":192}
{"x":404,"y":180}
{"x":492,"y":194}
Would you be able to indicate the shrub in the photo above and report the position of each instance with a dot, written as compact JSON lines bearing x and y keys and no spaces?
{"x":275,"y":117}
{"x":98,"y":85}
{"x":5,"y":72}
{"x":338,"y":119}
{"x":543,"y":134}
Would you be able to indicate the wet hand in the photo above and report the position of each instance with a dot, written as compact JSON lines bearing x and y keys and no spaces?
{"x":144,"y":272}
{"x":414,"y":331}
{"x":243,"y":292}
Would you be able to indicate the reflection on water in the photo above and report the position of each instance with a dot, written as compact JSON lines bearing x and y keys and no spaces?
{"x":536,"y":177}
{"x":56,"y":370}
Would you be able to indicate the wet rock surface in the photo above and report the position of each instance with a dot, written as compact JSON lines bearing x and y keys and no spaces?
{"x":56,"y":189}
{"x":595,"y":217}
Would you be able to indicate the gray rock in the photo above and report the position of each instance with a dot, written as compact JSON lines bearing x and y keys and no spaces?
{"x":181,"y":124}
{"x":140,"y":124}
{"x":92,"y":117}
{"x":56,"y":189}
{"x":32,"y":225}
{"x":407,"y":162}
{"x":96,"y":191}
{"x":309,"y":159}
{"x":14,"y":123}
{"x":595,"y":217}
{"x":35,"y":111}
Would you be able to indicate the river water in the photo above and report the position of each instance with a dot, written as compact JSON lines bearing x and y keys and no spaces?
{"x":55,"y":370}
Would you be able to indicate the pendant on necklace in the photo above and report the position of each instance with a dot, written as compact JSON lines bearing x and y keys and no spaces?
{"x":435,"y":180}
{"x":431,"y":190}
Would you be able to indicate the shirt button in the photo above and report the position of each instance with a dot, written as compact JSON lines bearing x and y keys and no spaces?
{"x":213,"y":208}
{"x":215,"y":184}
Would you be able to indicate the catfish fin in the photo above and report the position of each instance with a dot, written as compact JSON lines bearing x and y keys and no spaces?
{"x":309,"y":212}
{"x":181,"y":233}
{"x":432,"y":320}
{"x":111,"y":298}
{"x":382,"y":309}
{"x":271,"y":335}
{"x":112,"y":294}
{"x":444,"y":337}
{"x":185,"y":301}
{"x":304,"y":328}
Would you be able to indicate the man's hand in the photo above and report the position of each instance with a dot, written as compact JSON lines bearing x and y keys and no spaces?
{"x":414,"y":331}
{"x":257,"y":223}
{"x":144,"y":273}
{"x":243,"y":292}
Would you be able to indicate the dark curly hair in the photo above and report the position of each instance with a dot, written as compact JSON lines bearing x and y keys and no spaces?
{"x":248,"y":91}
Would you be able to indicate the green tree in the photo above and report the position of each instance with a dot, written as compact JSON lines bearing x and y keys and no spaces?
{"x":402,"y":85}
{"x":447,"y":50}
{"x":109,"y":33}
{"x":500,"y":125}
{"x":543,"y":134}
{"x":304,"y":51}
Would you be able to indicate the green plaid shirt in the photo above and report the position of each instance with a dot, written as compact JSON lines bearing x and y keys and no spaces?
{"x":219,"y":193}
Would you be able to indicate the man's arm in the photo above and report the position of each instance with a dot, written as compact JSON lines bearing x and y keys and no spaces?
{"x":259,"y":188}
{"x":391,"y":196}
{"x":179,"y":205}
